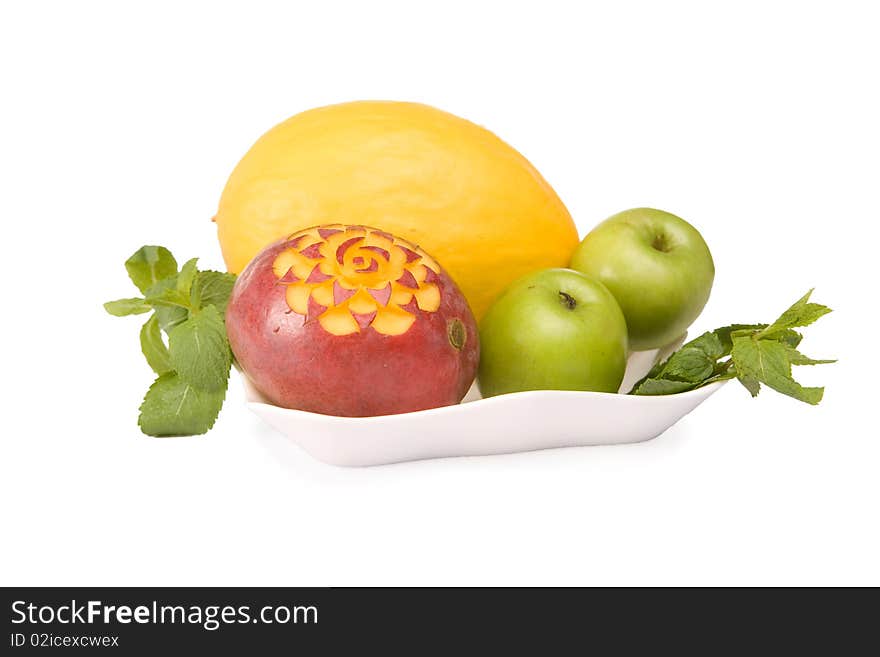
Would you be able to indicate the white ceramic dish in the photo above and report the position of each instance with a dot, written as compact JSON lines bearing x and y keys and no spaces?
{"x":516,"y":422}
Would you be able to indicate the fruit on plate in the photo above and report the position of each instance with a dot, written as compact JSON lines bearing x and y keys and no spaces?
{"x":429,"y":177}
{"x":352,"y":321}
{"x":656,"y":265}
{"x":555,"y":329}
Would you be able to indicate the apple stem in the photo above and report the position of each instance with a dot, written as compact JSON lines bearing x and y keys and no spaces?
{"x":567,"y":300}
{"x":661,"y":243}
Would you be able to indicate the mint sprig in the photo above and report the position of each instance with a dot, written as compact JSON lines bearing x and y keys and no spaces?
{"x":150,"y":264}
{"x":755,"y":354}
{"x":153,"y":347}
{"x":199,"y":350}
{"x":174,"y":407}
{"x":192,"y":369}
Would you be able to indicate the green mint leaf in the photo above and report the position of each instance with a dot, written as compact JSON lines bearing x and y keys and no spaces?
{"x":724,"y":334}
{"x":186,"y":278}
{"x":123,"y":307}
{"x":725,"y":374}
{"x":692,"y":360}
{"x":150,"y":264}
{"x":751,"y":384}
{"x":767,"y":361}
{"x":173,"y":407}
{"x":154,"y":348}
{"x":214,"y":289}
{"x":802,"y":313}
{"x":689,"y":364}
{"x":758,"y":354}
{"x":710,"y":344}
{"x":788,"y":336}
{"x":661,"y":387}
{"x":167,"y":303}
{"x":200,"y":351}
{"x":797,"y":358}
{"x":168,"y":315}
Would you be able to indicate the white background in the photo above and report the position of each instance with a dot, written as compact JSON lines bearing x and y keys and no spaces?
{"x":757,"y":122}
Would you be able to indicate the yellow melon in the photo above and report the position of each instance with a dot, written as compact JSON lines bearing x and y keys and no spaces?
{"x":448,"y":185}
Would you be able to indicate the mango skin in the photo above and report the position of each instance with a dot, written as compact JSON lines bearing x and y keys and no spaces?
{"x":295,"y":363}
{"x":427,"y":176}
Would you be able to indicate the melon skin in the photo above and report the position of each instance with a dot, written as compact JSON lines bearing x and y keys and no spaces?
{"x":295,"y":363}
{"x":428,"y":176}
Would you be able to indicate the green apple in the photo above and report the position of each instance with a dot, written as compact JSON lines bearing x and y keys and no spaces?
{"x":555,"y":329}
{"x":656,"y":265}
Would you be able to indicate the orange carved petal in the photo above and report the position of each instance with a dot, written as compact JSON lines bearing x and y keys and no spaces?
{"x":398,"y":259}
{"x":298,"y":297}
{"x":328,"y":266}
{"x":338,"y":321}
{"x":349,"y":283}
{"x":392,"y":321}
{"x":362,"y":303}
{"x":323,"y":293}
{"x":400,"y":295}
{"x":429,"y":262}
{"x":284,"y":261}
{"x":428,"y":297}
{"x":330,"y":244}
{"x":291,"y":259}
{"x":378,"y":239}
{"x":419,"y":272}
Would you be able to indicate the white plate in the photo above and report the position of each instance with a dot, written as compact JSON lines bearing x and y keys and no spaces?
{"x":517,"y":422}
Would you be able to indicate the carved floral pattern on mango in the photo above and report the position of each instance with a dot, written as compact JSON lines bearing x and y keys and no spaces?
{"x":354,"y":277}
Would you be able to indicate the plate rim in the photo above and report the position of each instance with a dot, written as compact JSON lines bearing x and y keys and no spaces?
{"x":251,"y":391}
